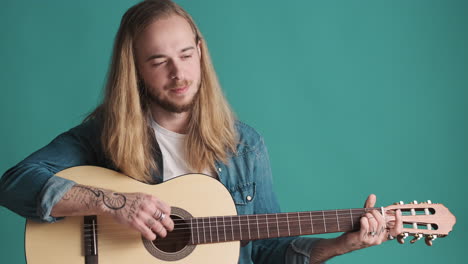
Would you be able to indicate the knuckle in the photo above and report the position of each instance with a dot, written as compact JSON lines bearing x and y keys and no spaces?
{"x":146,"y":197}
{"x":147,"y":207}
{"x":139,"y":214}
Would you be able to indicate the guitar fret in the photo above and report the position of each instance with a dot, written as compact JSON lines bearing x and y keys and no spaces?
{"x":240,"y":228}
{"x":224,"y":225}
{"x":191,"y":229}
{"x":299,"y":218}
{"x":209,"y":230}
{"x":258,"y":227}
{"x":277,"y":224}
{"x":248,"y":226}
{"x":217,"y":231}
{"x":204,"y":235}
{"x":287,"y":221}
{"x":311,"y":223}
{"x":324,"y":225}
{"x":352,"y":221}
{"x":268,"y":228}
{"x":232,"y":230}
{"x":198,"y":231}
{"x":337,"y":221}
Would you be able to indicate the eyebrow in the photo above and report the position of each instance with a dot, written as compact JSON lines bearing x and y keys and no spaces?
{"x":157,"y":56}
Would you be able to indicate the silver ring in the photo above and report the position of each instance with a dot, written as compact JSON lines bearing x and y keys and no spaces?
{"x":390,"y":237}
{"x":157,"y":215}
{"x":163,"y":215}
{"x":372,"y":233}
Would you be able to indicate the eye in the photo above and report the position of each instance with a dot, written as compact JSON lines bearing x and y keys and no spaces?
{"x":158,"y":63}
{"x":186,"y":56}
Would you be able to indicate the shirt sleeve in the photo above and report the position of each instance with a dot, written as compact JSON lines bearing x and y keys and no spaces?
{"x":31,"y":188}
{"x":289,"y":250}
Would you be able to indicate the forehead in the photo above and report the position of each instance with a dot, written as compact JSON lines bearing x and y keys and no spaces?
{"x":166,"y":34}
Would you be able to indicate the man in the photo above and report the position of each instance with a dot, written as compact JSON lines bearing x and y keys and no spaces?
{"x":164,"y":115}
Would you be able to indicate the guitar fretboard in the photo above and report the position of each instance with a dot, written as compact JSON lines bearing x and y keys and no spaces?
{"x":252,"y":227}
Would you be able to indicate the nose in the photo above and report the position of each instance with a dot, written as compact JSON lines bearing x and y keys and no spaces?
{"x":176,"y":71}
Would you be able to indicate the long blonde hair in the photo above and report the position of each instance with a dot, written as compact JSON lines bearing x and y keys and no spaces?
{"x":127,"y":138}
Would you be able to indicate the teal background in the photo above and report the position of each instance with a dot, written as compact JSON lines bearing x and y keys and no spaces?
{"x":352,"y":97}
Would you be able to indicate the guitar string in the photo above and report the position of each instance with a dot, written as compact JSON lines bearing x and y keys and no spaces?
{"x":211,"y":222}
{"x":210,"y":229}
{"x":285,"y":223}
{"x":241,"y":223}
{"x":188,"y":231}
{"x":170,"y":240}
{"x":295,"y":231}
{"x":244,"y":217}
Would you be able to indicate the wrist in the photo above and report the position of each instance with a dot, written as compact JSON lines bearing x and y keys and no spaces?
{"x":326,"y":249}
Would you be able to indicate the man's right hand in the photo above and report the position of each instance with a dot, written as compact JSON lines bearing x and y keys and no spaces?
{"x":145,"y":213}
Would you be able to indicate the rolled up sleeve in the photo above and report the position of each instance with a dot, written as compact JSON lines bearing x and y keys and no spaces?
{"x":31,"y":188}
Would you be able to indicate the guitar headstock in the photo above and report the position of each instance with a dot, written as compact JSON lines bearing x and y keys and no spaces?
{"x":426,"y":219}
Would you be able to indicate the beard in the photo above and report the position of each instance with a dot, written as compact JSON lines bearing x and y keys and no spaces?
{"x":173,"y":107}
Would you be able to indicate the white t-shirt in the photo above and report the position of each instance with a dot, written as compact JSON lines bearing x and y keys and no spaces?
{"x":173,"y":152}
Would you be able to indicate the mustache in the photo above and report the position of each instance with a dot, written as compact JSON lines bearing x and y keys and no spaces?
{"x":180,"y":84}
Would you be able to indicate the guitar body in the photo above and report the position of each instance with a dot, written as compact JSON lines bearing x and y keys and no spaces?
{"x":197,"y":194}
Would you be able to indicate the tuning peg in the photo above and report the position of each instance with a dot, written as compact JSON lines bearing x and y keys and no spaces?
{"x":429,"y":239}
{"x":401,"y":238}
{"x":416,"y":238}
{"x":414,"y":202}
{"x":429,"y":202}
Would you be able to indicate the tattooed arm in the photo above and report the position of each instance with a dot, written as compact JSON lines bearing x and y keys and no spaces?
{"x":137,"y":210}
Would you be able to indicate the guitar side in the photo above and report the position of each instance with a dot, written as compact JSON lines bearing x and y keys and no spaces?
{"x":62,"y":242}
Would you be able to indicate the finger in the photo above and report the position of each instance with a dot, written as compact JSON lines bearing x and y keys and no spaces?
{"x":373,"y":225}
{"x":398,"y":227}
{"x":144,"y":230}
{"x":164,"y":207}
{"x":167,"y":222}
{"x":159,"y":229}
{"x":161,"y":205}
{"x":381,"y":223}
{"x":381,"y":227}
{"x":370,"y":202}
{"x":364,"y":231}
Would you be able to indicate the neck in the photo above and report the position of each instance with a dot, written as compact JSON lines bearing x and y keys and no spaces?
{"x":175,"y":122}
{"x":252,"y":227}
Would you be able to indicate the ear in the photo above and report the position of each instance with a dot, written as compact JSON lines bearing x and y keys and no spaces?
{"x":199,"y":48}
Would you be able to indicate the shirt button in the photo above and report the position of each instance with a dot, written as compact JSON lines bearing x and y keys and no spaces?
{"x":219,"y":169}
{"x":249,"y":198}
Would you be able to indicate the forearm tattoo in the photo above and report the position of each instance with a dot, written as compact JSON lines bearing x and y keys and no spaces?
{"x":93,"y":197}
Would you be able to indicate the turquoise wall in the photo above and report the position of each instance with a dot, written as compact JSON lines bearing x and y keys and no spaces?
{"x":352,"y":97}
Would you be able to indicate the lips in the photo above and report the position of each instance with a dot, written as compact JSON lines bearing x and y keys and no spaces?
{"x":180,"y":90}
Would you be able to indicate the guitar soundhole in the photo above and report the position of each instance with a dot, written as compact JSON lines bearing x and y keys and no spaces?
{"x":176,"y":245}
{"x":177,"y":239}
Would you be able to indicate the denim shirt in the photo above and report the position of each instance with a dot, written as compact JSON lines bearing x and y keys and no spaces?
{"x":31,"y":188}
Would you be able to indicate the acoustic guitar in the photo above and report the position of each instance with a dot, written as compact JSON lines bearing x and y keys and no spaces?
{"x":203,"y":234}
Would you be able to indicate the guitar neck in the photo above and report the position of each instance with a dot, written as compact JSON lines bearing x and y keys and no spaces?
{"x":263,"y":226}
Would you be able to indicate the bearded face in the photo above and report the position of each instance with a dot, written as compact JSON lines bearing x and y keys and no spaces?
{"x":168,"y":61}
